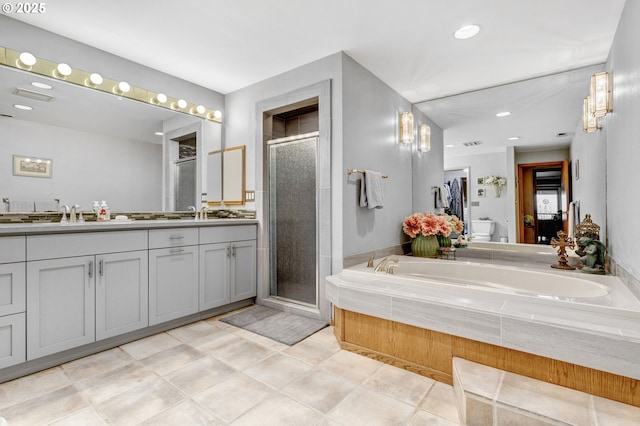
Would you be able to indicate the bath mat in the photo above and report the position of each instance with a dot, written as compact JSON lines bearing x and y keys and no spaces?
{"x":280,"y":326}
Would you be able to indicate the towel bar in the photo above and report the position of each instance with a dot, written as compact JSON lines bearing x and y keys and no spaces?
{"x":351,"y":171}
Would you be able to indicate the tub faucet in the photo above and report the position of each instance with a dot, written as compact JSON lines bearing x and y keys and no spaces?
{"x":382,"y":266}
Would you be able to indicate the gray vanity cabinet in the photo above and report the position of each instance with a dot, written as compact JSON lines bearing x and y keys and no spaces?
{"x":83,"y":287}
{"x":12,"y":301}
{"x":227,"y":265}
{"x":122,"y":293}
{"x":60,"y":305}
{"x":173,"y":274}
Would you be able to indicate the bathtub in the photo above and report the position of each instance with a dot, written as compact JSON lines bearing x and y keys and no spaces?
{"x":503,"y":279}
{"x":583,"y":319}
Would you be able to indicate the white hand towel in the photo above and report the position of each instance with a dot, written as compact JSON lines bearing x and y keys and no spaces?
{"x":371,"y":194}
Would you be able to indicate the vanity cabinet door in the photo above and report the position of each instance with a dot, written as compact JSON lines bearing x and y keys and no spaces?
{"x":214,"y":275}
{"x":12,"y":340}
{"x":12,"y":288}
{"x":60,"y":305}
{"x":243,"y":270}
{"x":122,"y":293}
{"x":173,"y":283}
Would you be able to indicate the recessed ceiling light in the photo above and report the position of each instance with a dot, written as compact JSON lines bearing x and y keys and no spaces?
{"x":23,"y":107}
{"x":449,"y":146}
{"x":466,"y":32}
{"x":159,"y":133}
{"x":513,"y":138}
{"x":41,"y":85}
{"x":503,"y":114}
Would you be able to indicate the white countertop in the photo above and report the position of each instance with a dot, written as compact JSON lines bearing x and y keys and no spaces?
{"x":114,"y":225}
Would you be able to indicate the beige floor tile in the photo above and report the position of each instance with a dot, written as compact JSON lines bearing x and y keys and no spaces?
{"x":171,"y":359}
{"x":194,"y":331}
{"x":31,"y":386}
{"x":328,"y":422}
{"x":425,"y":418}
{"x":279,"y":410}
{"x":320,"y":389}
{"x":185,"y":413}
{"x":610,"y":412}
{"x":86,"y":417}
{"x":352,"y":366}
{"x":150,"y":345}
{"x":278,"y":370}
{"x":97,"y":364}
{"x":45,"y":408}
{"x":368,"y":408}
{"x":261,"y":340}
{"x":139,"y":404}
{"x":440,"y":400}
{"x":100,"y":388}
{"x":200,"y":375}
{"x":313,"y":351}
{"x":214,"y":342}
{"x":326,"y":334}
{"x":234,"y":396}
{"x":544,"y":398}
{"x":242,"y":354}
{"x":400,"y":384}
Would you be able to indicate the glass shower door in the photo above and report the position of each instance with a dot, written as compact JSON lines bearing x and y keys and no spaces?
{"x":293,"y":219}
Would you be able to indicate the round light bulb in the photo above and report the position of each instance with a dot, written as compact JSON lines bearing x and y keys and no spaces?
{"x":200,"y":109}
{"x":466,"y":32}
{"x":161,"y":98}
{"x":182,"y":103}
{"x":124,"y":87}
{"x":217,"y":114}
{"x":96,"y":79}
{"x":63,"y":70}
{"x":27,"y":59}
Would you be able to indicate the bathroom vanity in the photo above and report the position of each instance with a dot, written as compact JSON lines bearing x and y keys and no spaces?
{"x":70,"y":290}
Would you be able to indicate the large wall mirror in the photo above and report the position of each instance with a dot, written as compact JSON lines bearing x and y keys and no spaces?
{"x":227,"y":171}
{"x":103,"y":147}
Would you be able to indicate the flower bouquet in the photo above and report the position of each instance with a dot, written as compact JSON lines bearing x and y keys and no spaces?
{"x":430,"y":231}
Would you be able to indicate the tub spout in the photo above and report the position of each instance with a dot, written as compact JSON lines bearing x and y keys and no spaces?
{"x":382,"y":266}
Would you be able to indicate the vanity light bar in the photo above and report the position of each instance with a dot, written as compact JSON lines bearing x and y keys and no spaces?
{"x":11,"y":58}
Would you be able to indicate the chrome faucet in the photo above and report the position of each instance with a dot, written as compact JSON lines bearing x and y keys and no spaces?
{"x":382,"y":266}
{"x":65,"y":211}
{"x":72,"y":215}
{"x":195,"y":212}
{"x":203,"y":213}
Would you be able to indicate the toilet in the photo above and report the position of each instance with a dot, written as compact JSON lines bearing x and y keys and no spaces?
{"x":481,"y":230}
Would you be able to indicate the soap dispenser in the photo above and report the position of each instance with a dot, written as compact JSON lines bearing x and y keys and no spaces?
{"x":103,"y":213}
{"x":96,"y":207}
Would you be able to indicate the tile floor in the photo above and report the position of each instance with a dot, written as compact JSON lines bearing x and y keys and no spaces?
{"x":211,"y":373}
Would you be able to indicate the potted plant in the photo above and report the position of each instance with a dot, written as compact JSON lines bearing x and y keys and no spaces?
{"x":528,"y":220}
{"x":496,"y":182}
{"x":430,"y":231}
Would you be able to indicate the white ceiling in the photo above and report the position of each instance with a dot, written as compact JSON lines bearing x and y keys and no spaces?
{"x":226,"y":45}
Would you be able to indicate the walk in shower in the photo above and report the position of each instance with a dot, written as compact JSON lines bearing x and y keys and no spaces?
{"x":293,"y":221}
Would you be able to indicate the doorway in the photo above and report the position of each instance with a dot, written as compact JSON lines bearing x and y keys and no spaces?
{"x":456,"y":182}
{"x":543,"y":200}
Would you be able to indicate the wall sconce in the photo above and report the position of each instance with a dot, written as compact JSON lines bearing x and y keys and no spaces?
{"x":425,"y":138}
{"x":600,"y":94}
{"x":589,"y":120}
{"x":406,"y":127}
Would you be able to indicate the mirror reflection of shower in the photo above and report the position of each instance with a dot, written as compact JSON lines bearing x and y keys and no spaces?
{"x":185,"y":172}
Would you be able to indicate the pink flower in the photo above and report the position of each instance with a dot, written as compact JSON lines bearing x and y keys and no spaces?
{"x":431,"y":224}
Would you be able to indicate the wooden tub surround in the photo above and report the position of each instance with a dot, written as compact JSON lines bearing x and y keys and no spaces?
{"x":430,"y":353}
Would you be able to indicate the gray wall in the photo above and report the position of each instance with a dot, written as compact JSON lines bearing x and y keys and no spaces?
{"x":590,"y":189}
{"x":622,"y":142}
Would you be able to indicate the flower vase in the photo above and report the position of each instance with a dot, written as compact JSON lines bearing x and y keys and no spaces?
{"x":496,"y":190}
{"x":425,"y":246}
{"x":444,"y":241}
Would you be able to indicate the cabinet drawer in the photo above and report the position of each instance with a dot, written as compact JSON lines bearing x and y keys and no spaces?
{"x":12,"y":340}
{"x":82,"y":244}
{"x":160,"y":238}
{"x":12,"y":249}
{"x":12,"y":288}
{"x":220,"y":234}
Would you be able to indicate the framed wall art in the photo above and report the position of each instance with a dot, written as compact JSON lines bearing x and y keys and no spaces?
{"x":32,"y":166}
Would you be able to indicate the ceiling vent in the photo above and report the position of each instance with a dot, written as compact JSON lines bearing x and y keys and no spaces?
{"x":472,"y":143}
{"x":32,"y":95}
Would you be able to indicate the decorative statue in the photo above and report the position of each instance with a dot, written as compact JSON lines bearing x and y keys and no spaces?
{"x":594,"y":256}
{"x":587,"y":229}
{"x":562,"y":243}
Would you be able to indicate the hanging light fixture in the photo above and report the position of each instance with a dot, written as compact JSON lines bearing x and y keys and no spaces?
{"x":600,"y":94}
{"x":425,"y":138}
{"x":406,"y":127}
{"x":589,"y":120}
